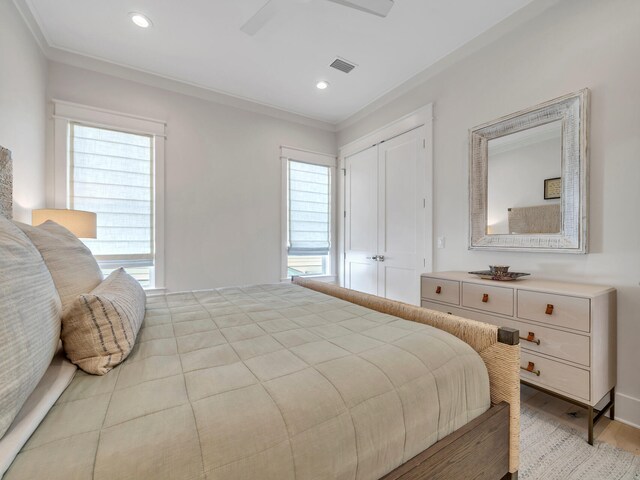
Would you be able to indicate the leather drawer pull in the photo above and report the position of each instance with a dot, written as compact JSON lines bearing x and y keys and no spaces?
{"x":531,"y":338}
{"x":485,"y":298}
{"x":438,"y":289}
{"x":549,"y":309}
{"x":530,"y":368}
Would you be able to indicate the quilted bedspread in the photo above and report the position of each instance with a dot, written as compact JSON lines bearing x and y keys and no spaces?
{"x":261,"y":382}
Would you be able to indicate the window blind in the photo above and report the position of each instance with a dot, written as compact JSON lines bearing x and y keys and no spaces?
{"x":111,"y":173}
{"x":309,"y":209}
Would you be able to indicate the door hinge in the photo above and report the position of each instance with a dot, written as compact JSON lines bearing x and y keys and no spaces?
{"x":345,"y":255}
{"x":424,"y":203}
{"x":424,"y":262}
{"x":424,"y":143}
{"x":345,"y":214}
{"x":344,"y":172}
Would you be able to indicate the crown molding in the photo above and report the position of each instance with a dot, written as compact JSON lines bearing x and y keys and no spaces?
{"x":127,"y":72}
{"x":69,"y":57}
{"x":509,"y":24}
{"x":33,"y":24}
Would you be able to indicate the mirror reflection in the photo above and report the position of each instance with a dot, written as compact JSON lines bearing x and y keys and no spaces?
{"x":524,"y":181}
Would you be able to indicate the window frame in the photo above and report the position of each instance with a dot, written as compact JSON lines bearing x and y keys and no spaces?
{"x":314,"y":158}
{"x":65,"y":113}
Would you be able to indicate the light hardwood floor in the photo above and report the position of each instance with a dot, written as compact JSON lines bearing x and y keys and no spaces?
{"x":613,"y":432}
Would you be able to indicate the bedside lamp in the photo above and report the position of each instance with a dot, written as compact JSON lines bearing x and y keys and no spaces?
{"x":82,"y":224}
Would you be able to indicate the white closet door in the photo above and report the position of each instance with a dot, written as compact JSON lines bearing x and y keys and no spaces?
{"x":401,"y":216}
{"x":361,"y":221}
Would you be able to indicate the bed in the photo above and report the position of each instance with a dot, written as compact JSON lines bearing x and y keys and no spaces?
{"x":295,"y":380}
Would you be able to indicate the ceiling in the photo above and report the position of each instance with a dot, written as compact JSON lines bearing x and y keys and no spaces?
{"x":199,"y":42}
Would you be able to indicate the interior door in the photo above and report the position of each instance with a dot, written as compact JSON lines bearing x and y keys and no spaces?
{"x":401,"y":216}
{"x":385,"y":217}
{"x":361,"y":221}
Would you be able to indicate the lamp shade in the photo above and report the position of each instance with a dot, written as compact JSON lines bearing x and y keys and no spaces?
{"x":82,"y":224}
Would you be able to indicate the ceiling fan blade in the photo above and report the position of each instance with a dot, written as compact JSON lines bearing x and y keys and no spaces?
{"x":376,"y":7}
{"x":262,"y":16}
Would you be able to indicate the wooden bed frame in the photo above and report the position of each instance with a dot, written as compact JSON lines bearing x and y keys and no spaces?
{"x":479,"y":450}
{"x":485,"y":448}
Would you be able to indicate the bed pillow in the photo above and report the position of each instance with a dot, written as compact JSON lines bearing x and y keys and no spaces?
{"x":54,"y":381}
{"x":29,"y":320}
{"x":72,"y":266}
{"x":100,"y":328}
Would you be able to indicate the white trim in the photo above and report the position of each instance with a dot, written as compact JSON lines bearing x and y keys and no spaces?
{"x":154,"y":291}
{"x":101,"y":117}
{"x":415,"y":119}
{"x":307,"y":156}
{"x":158,"y":190}
{"x":317,"y":278}
{"x":318,"y":158}
{"x":288,"y":149}
{"x":284,"y":218}
{"x":123,"y":71}
{"x":508,"y":25}
{"x":630,"y":408}
{"x":97,"y":64}
{"x":66,"y":112}
{"x":33,"y":24}
{"x":418,"y":118}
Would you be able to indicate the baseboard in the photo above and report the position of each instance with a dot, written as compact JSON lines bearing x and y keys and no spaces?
{"x":628,"y":410}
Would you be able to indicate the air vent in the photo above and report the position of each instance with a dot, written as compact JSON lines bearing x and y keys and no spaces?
{"x":342,"y":65}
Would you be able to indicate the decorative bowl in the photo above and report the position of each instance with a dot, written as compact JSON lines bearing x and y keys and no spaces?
{"x":504,"y":277}
{"x":499,"y":269}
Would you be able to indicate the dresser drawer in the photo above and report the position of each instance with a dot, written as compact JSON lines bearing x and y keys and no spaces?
{"x":488,"y":298}
{"x":447,"y":291}
{"x":559,"y":310}
{"x":555,"y":375}
{"x":557,"y":343}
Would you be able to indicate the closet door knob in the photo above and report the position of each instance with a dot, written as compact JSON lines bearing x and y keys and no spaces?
{"x":485,"y":298}
{"x":549,"y":309}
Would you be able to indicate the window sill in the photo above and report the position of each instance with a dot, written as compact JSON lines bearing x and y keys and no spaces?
{"x":155,"y":291}
{"x":319,"y":278}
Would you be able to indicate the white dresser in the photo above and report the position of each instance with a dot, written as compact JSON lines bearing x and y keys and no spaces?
{"x":567,"y":330}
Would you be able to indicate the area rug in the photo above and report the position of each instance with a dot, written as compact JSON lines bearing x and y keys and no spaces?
{"x":551,"y":451}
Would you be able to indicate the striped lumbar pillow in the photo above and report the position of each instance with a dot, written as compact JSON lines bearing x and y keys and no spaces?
{"x":100,"y":328}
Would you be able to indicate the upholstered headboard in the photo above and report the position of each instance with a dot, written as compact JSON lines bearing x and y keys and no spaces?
{"x":537,"y":219}
{"x":6,"y":183}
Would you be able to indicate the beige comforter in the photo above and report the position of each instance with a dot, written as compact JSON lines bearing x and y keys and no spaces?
{"x":261,"y":382}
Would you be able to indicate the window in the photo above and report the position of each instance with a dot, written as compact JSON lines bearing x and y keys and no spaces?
{"x":308,"y":229}
{"x":111,"y":170}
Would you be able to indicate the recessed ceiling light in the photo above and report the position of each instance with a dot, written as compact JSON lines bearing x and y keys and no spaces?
{"x":322,"y":84}
{"x":140,"y":20}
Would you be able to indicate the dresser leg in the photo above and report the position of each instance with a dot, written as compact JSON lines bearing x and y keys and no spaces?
{"x":612,"y":410}
{"x":590,"y":409}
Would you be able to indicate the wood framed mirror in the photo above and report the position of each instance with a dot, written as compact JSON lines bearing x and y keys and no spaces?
{"x":528,"y":179}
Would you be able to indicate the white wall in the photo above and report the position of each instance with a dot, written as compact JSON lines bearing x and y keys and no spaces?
{"x":22,"y":109}
{"x":223,"y":175}
{"x":516,"y":179}
{"x":572,"y":45}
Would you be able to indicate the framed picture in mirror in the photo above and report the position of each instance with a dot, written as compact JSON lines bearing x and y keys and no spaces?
{"x":552,"y":188}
